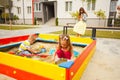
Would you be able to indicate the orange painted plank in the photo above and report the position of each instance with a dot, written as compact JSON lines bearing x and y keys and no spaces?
{"x":79,"y":61}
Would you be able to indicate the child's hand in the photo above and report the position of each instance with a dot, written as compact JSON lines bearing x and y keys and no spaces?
{"x":52,"y":61}
{"x":35,"y":52}
{"x":74,"y":59}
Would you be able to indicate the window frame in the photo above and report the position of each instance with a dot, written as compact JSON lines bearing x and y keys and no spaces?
{"x":18,"y":10}
{"x":37,"y":7}
{"x":68,"y":6}
{"x":91,"y":6}
{"x":29,"y":9}
{"x":113,"y":5}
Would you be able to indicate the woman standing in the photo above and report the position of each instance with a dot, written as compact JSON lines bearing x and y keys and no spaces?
{"x":80,"y":27}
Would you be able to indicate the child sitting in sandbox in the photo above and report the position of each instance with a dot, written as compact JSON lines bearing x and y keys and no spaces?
{"x":24,"y":48}
{"x":64,"y":49}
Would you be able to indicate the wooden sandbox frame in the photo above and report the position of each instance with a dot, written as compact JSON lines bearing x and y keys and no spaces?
{"x":22,"y":68}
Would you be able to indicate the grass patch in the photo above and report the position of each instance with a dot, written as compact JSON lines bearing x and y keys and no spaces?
{"x":15,"y":27}
{"x":99,"y":33}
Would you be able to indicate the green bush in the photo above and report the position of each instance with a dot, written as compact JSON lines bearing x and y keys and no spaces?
{"x":56,"y":21}
{"x":15,"y":17}
{"x":35,"y":21}
{"x":109,"y":21}
{"x":117,"y":22}
{"x":75,"y":15}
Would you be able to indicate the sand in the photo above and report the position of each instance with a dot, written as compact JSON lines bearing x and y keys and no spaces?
{"x":45,"y":56}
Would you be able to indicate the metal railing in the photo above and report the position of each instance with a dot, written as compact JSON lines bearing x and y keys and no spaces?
{"x":93,"y":36}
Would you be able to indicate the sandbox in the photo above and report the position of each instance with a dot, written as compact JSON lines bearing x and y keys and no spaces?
{"x":24,"y":68}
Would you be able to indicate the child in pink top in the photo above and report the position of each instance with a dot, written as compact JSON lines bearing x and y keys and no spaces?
{"x":64,"y":48}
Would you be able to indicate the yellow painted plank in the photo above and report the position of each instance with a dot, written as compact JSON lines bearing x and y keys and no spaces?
{"x":83,"y":40}
{"x":49,"y":36}
{"x":83,"y":66}
{"x":44,"y":69}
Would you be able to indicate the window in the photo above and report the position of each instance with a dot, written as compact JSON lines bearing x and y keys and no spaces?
{"x":68,"y":6}
{"x":19,"y":10}
{"x":91,"y":5}
{"x":29,"y":9}
{"x":37,"y":7}
{"x":88,"y":6}
{"x":113,"y":6}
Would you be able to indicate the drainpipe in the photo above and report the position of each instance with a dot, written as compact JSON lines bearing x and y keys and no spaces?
{"x":23,"y":13}
{"x":33,"y":12}
{"x":10,"y":18}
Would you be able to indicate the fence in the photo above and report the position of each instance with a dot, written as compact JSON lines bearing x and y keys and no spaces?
{"x":93,"y":36}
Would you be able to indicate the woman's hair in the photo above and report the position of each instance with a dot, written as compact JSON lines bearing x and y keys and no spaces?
{"x":82,"y":9}
{"x":67,"y":39}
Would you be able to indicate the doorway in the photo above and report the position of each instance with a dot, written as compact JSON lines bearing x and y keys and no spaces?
{"x":48,"y":11}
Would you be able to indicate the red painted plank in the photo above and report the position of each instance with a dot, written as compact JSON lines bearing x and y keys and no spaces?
{"x":20,"y":74}
{"x":13,"y":39}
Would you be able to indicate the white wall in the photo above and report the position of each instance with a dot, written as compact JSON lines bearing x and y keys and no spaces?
{"x":100,"y":4}
{"x":104,"y":5}
{"x":93,"y":19}
{"x":26,"y":4}
{"x":28,"y":17}
{"x":76,"y":4}
{"x":14,"y":9}
{"x":61,"y":13}
{"x":64,"y":17}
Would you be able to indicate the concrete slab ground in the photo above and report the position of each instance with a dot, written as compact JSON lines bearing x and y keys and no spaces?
{"x":4,"y":77}
{"x":104,"y":65}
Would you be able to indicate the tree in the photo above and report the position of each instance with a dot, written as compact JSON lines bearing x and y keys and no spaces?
{"x":15,"y":18}
{"x":75,"y":15}
{"x":100,"y":14}
{"x":7,"y":4}
{"x":5,"y":15}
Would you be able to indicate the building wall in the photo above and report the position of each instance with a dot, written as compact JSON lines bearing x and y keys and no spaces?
{"x":76,"y":4}
{"x":23,"y":4}
{"x":118,"y":10}
{"x":38,"y":14}
{"x":63,"y":16}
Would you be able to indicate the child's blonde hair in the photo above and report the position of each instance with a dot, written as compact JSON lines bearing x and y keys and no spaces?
{"x":32,"y":37}
{"x":67,"y":39}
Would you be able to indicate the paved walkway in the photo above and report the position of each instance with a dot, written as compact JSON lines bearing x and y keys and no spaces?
{"x":39,"y":29}
{"x":104,"y":65}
